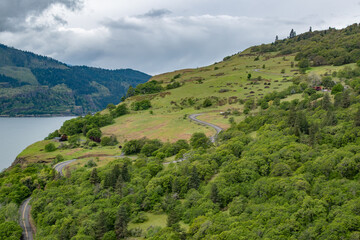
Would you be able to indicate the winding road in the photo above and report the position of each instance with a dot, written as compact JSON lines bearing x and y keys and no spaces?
{"x":60,"y":166}
{"x":25,"y":207}
{"x":217,"y":128}
{"x":193,"y":117}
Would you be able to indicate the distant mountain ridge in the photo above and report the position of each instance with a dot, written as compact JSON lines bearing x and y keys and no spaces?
{"x":31,"y":84}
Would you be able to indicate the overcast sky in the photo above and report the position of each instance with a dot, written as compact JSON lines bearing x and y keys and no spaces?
{"x":157,"y":36}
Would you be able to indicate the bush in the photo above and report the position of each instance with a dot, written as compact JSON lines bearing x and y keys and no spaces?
{"x":111,"y":235}
{"x":337,"y":89}
{"x":173,"y":85}
{"x":58,"y":158}
{"x":207,"y":103}
{"x":111,"y":106}
{"x":53,"y":135}
{"x":141,"y":105}
{"x":50,"y":147}
{"x":119,"y":110}
{"x":94,"y":134}
{"x":109,"y":141}
{"x":199,"y":140}
{"x":90,"y":164}
{"x":150,"y":147}
{"x":133,"y":146}
{"x":139,"y":218}
{"x":304,"y":64}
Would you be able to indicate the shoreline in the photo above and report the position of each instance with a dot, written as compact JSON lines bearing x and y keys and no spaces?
{"x":37,"y":116}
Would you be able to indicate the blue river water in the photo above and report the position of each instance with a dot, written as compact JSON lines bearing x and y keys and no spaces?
{"x":18,"y":133}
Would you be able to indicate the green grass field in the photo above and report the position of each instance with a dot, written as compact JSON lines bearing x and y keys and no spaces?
{"x":168,"y":121}
{"x":225,"y":80}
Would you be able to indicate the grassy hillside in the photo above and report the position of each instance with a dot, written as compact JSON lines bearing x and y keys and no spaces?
{"x":35,"y":85}
{"x":286,"y":165}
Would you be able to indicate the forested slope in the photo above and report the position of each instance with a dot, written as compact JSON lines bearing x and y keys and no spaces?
{"x":35,"y":85}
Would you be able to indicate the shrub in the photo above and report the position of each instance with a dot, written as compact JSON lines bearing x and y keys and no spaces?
{"x":199,"y":140}
{"x":119,"y":110}
{"x":53,"y":135}
{"x":58,"y":158}
{"x":111,"y":106}
{"x":94,"y":134}
{"x":90,"y":164}
{"x":141,"y":105}
{"x":109,"y":141}
{"x":207,"y":103}
{"x":50,"y":147}
{"x":150,"y":147}
{"x":173,"y":85}
{"x":337,"y":89}
{"x":133,"y":146}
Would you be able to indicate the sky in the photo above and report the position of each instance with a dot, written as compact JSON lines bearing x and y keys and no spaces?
{"x":157,"y":36}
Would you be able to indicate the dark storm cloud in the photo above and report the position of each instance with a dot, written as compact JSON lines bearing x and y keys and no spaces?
{"x":14,"y":12}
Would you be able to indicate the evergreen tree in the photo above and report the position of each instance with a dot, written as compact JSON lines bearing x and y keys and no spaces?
{"x":276,"y":38}
{"x":94,"y":178}
{"x":310,"y":30}
{"x":119,"y":185}
{"x":313,"y":130}
{"x":121,"y":222}
{"x":173,"y":217}
{"x":301,"y":124}
{"x":292,"y":33}
{"x":125,"y":173}
{"x":214,"y":194}
{"x":292,"y":116}
{"x":345,"y":103}
{"x":330,"y":119}
{"x":176,"y":186}
{"x":194,"y":178}
{"x":326,"y":103}
{"x":100,"y":227}
{"x":357,"y":118}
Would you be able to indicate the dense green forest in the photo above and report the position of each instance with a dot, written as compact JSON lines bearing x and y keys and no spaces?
{"x":35,"y":85}
{"x":16,"y":185}
{"x":327,"y":47}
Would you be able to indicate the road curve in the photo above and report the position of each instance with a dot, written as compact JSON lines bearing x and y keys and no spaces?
{"x":24,"y":210}
{"x":212,"y":138}
{"x":217,"y":128}
{"x":60,"y":166}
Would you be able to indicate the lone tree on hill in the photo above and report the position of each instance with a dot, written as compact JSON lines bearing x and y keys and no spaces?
{"x":292,"y":33}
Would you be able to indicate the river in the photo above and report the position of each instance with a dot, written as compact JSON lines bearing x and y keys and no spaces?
{"x":18,"y":133}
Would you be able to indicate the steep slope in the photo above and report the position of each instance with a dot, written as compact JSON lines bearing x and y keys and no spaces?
{"x":286,"y":165}
{"x":35,"y":85}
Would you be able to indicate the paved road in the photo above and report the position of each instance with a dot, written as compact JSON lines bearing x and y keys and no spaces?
{"x":25,"y":207}
{"x":217,"y":128}
{"x":60,"y":166}
{"x":212,"y":138}
{"x":24,"y":210}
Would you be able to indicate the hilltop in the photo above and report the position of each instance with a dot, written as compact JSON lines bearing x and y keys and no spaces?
{"x":286,"y":165}
{"x":31,"y":84}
